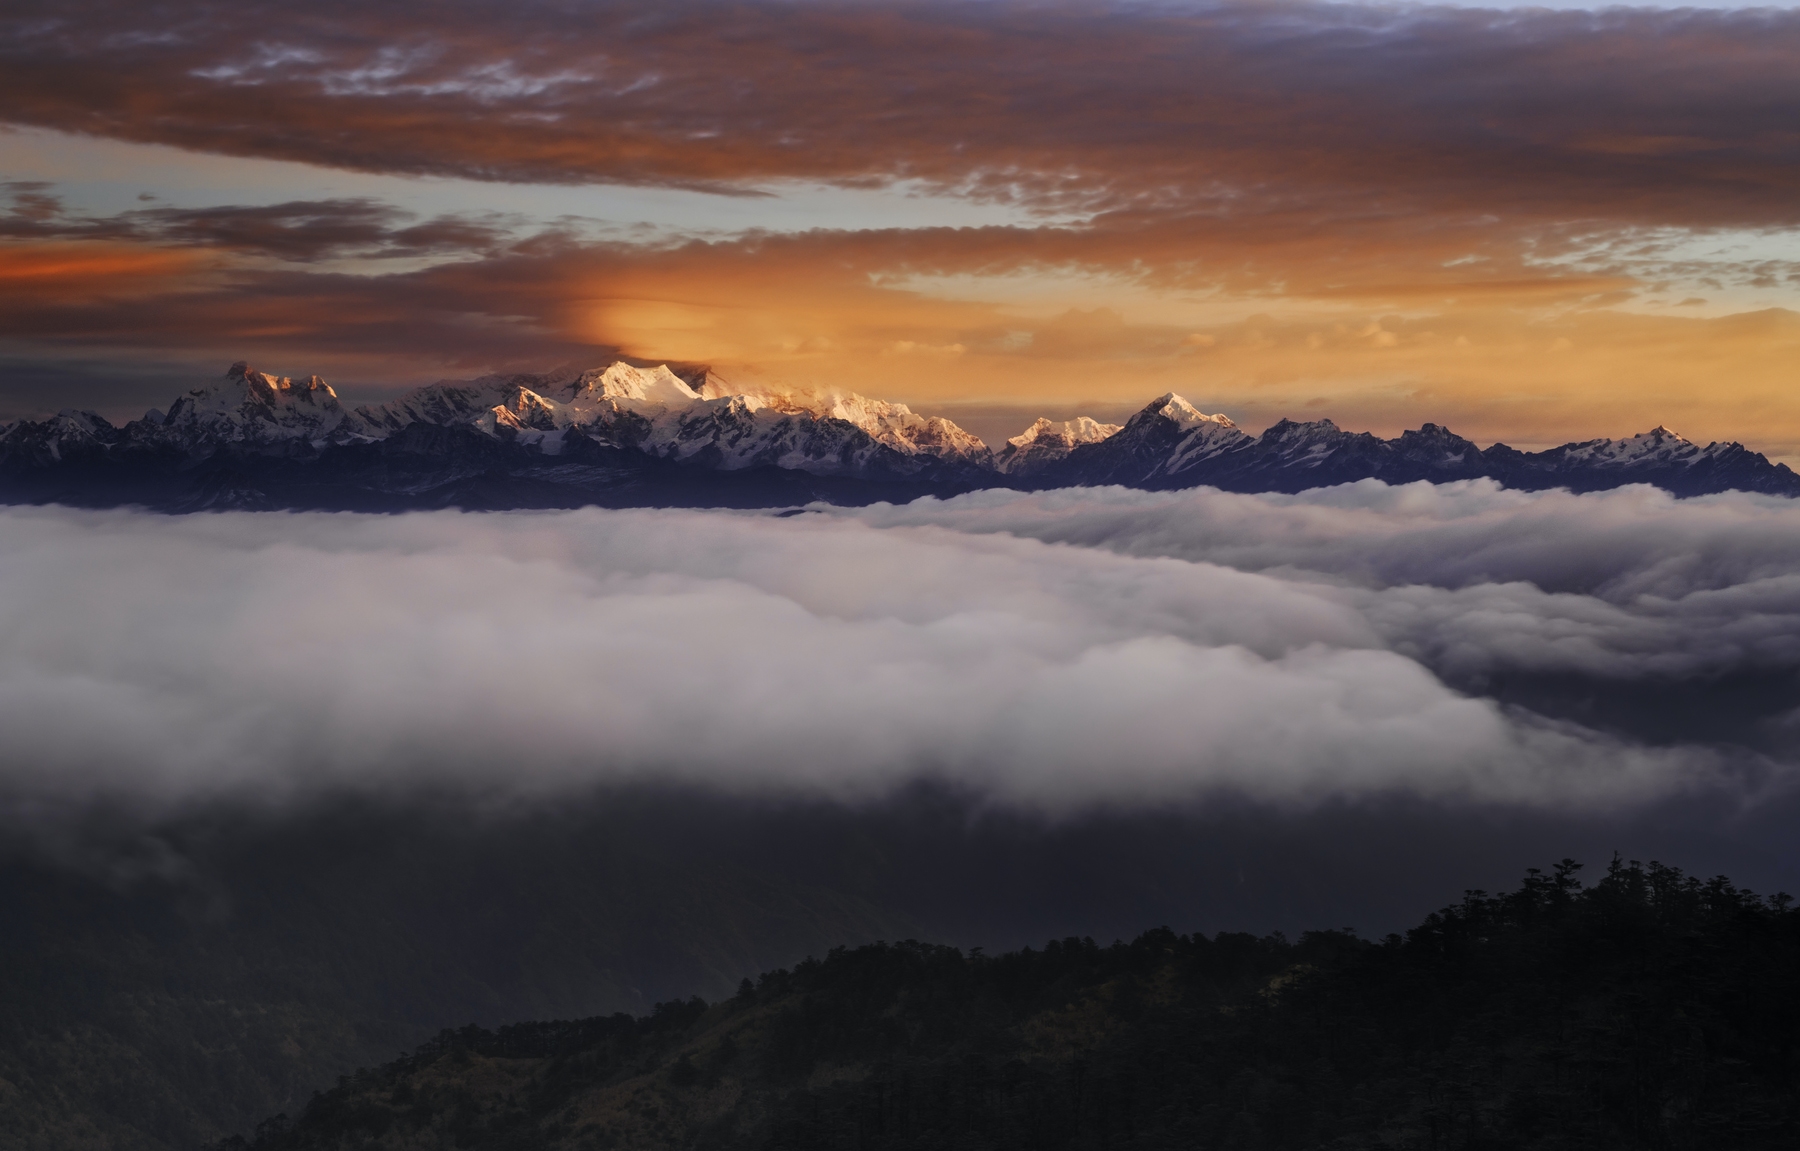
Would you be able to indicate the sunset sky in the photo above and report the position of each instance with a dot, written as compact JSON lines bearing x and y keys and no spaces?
{"x":1531,"y":224}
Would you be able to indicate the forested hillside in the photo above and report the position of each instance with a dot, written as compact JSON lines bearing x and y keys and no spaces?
{"x":1649,"y":1010}
{"x":158,"y":998}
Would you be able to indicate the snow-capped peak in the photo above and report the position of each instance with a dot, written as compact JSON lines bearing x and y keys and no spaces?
{"x":67,"y":432}
{"x":1080,"y":430}
{"x":523,"y":410}
{"x":901,"y":428}
{"x":591,"y":398}
{"x":1046,"y":441}
{"x":244,"y":385}
{"x":657,"y":411}
{"x":623,"y":382}
{"x":248,"y":406}
{"x":1173,"y":407}
{"x":1659,"y":445}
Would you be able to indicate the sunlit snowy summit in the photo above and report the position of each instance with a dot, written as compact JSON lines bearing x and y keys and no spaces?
{"x":632,"y":434}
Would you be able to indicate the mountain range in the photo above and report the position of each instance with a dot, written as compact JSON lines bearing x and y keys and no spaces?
{"x":637,"y":435}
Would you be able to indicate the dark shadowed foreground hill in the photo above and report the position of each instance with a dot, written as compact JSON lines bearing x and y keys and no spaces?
{"x":1648,"y":1011}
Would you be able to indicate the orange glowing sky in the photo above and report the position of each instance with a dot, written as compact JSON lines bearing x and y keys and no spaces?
{"x":1531,"y":225}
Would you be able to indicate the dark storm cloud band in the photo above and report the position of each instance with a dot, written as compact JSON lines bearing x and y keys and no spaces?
{"x":1666,"y":117}
{"x":300,"y":231}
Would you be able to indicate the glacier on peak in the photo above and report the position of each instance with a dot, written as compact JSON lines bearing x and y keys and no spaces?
{"x":1168,"y":436}
{"x":904,"y":430}
{"x":1047,"y":442}
{"x":1080,"y":430}
{"x":656,"y":385}
{"x":1659,"y":445}
{"x":248,"y":406}
{"x":1173,"y":407}
{"x":657,"y":411}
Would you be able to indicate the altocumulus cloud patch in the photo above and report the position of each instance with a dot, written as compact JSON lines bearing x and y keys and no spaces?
{"x":1051,"y":651}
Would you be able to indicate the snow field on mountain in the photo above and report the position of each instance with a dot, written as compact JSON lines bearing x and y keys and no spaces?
{"x":1052,"y":651}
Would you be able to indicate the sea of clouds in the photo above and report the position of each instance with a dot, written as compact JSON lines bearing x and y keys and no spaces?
{"x":1051,"y":651}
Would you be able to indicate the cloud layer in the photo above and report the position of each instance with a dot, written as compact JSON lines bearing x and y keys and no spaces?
{"x":1631,"y":589}
{"x":1144,"y":648}
{"x":1651,"y":115}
